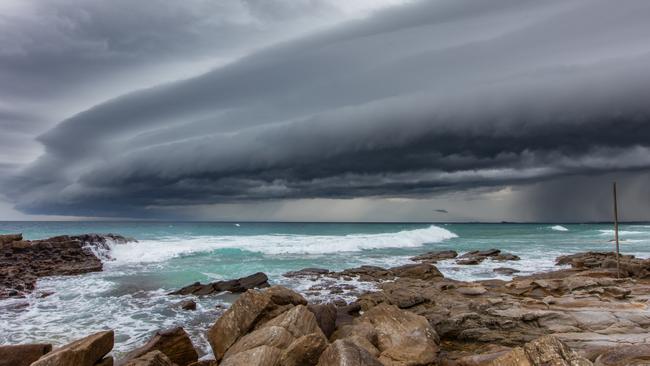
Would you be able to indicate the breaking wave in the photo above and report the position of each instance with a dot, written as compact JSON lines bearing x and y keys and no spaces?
{"x":559,"y":228}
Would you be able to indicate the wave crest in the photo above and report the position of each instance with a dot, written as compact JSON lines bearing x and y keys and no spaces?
{"x":167,"y":248}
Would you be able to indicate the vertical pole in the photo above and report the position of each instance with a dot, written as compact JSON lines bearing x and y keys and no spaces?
{"x":618,"y":264}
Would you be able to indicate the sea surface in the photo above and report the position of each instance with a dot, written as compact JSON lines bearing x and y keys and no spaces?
{"x":129,"y":296}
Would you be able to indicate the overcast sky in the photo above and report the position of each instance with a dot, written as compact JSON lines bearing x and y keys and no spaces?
{"x":337,"y":110}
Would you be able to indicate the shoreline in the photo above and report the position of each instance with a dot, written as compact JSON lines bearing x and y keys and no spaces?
{"x":584,"y":306}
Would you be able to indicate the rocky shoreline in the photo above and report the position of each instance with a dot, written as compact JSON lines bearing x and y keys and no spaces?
{"x":580,"y":314}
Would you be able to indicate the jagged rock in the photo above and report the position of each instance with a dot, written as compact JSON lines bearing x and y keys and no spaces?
{"x":22,"y":354}
{"x":404,"y":298}
{"x":299,"y":321}
{"x":478,"y":256}
{"x":175,"y":343}
{"x":84,"y":352}
{"x":251,"y":308}
{"x":433,"y":257}
{"x":636,"y":355}
{"x":345,"y":353}
{"x":506,"y":270}
{"x":404,"y":338}
{"x":307,"y":272}
{"x":470,"y":261}
{"x":259,"y":356}
{"x":362,"y":334}
{"x":153,"y":358}
{"x":304,"y":351}
{"x":256,"y":280}
{"x":325,"y":317}
{"x":547,"y":350}
{"x":106,"y":361}
{"x":283,"y":296}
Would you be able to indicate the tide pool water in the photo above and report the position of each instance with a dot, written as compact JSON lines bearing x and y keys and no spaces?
{"x":129,"y":296}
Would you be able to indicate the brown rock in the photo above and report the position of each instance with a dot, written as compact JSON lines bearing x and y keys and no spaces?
{"x":259,"y":356}
{"x":84,"y":352}
{"x":433,"y":257}
{"x":205,"y":363}
{"x":283,"y":296}
{"x":188,"y":305}
{"x":422,"y":271}
{"x":506,"y":270}
{"x":304,"y":351}
{"x":404,"y":338}
{"x":362,"y":334}
{"x":345,"y":353}
{"x":636,"y":355}
{"x":472,"y":290}
{"x":175,"y":343}
{"x":273,"y":336}
{"x":299,"y":321}
{"x":325,"y":317}
{"x":547,"y":350}
{"x":22,"y":354}
{"x":153,"y":358}
{"x":106,"y":361}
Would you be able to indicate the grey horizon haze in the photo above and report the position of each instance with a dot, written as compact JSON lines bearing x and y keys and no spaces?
{"x":308,"y":110}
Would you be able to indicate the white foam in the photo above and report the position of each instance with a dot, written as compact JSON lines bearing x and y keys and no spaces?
{"x":559,"y":228}
{"x":146,"y":251}
{"x":623,"y":232}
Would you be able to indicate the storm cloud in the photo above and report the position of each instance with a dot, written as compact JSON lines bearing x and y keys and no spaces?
{"x":421,"y":99}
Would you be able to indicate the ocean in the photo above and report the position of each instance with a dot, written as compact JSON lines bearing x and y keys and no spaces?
{"x":130,"y":295}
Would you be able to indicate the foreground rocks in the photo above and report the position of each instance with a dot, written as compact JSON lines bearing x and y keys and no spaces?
{"x":22,"y":262}
{"x":174,"y":343}
{"x":22,"y":354}
{"x":88,"y":351}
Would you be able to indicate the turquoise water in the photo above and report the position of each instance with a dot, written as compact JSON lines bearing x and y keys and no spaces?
{"x":129,"y":295}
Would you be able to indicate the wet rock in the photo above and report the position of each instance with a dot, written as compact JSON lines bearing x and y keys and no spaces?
{"x":345,"y":353}
{"x":625,"y":355}
{"x":22,"y":262}
{"x":547,"y":350}
{"x":403,"y":337}
{"x":22,"y":354}
{"x":256,"y":280}
{"x":175,"y":343}
{"x":470,"y":261}
{"x":477,"y":256}
{"x":506,"y":271}
{"x":325,"y":317}
{"x":187,"y":305}
{"x":307,"y":272}
{"x":84,"y":352}
{"x":433,"y":257}
{"x":304,"y":351}
{"x":153,"y":358}
{"x":422,"y":271}
{"x":259,"y":356}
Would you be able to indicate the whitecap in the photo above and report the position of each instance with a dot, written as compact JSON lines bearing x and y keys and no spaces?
{"x":559,"y":228}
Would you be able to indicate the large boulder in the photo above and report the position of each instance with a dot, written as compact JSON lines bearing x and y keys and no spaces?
{"x":404,"y":338}
{"x":362,"y":334}
{"x":274,"y":336}
{"x":345,"y":353}
{"x":22,"y":354}
{"x":421,"y":271}
{"x":304,"y":351}
{"x":544,"y":351}
{"x":175,"y":343}
{"x":87,"y":351}
{"x":251,"y":310}
{"x":153,"y":358}
{"x":299,"y":321}
{"x":256,"y":280}
{"x":258,"y":356}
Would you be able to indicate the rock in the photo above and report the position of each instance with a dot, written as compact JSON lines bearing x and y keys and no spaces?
{"x":472,"y":290}
{"x":283,"y":296}
{"x":251,"y":308}
{"x":506,"y":270}
{"x":307,"y":272}
{"x":404,"y":298}
{"x":259,"y":356}
{"x":22,"y":262}
{"x":175,"y":343}
{"x":256,"y":280}
{"x":470,"y":261}
{"x":505,"y":257}
{"x":188,"y":305}
{"x":362,"y":334}
{"x":205,"y":363}
{"x":304,"y":351}
{"x":22,"y":354}
{"x":625,"y":356}
{"x":547,"y":350}
{"x":299,"y":321}
{"x":404,"y":338}
{"x":433,"y":257}
{"x":346,"y":353}
{"x":106,"y":361}
{"x":153,"y":358}
{"x":421,"y":271}
{"x":325,"y":317}
{"x":84,"y":352}
{"x":273,"y":336}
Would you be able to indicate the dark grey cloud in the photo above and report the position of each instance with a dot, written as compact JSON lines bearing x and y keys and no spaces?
{"x":426,"y":98}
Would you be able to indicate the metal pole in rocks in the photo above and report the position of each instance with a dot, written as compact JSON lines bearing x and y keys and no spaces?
{"x":618,"y":264}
